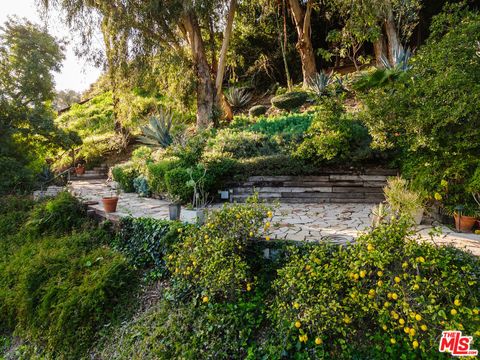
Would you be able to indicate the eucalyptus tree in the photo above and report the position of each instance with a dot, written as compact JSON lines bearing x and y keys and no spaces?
{"x":156,"y":27}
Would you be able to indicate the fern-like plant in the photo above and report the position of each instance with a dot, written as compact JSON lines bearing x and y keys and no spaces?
{"x":238,"y":98}
{"x":157,"y":132}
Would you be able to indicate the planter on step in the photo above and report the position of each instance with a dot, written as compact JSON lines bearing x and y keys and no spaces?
{"x":464,"y":223}
{"x":195,"y":216}
{"x":110,"y":204}
{"x":80,"y":170}
{"x":174,"y":211}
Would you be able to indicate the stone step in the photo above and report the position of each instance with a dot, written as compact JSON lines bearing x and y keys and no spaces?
{"x":88,"y":177}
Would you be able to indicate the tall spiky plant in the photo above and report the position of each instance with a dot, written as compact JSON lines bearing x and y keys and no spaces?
{"x":157,"y":132}
{"x":238,"y":98}
{"x":319,"y":83}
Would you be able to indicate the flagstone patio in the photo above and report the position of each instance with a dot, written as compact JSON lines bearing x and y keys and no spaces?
{"x":339,"y":223}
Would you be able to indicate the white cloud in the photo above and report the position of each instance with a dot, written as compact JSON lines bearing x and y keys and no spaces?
{"x":76,"y":73}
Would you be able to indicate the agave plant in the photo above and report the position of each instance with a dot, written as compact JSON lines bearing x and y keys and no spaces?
{"x":401,"y":58}
{"x":238,"y":98}
{"x":157,"y":133}
{"x":319,"y":82}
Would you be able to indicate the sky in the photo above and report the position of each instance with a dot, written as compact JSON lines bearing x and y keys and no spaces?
{"x":76,"y":73}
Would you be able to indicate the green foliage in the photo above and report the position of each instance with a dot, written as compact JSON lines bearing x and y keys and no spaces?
{"x":334,"y":136}
{"x":140,"y":184}
{"x":176,"y":182}
{"x":257,"y":110}
{"x":145,"y":242}
{"x":383,"y":297}
{"x":57,"y":287}
{"x":156,"y":175}
{"x":274,"y":165}
{"x":157,"y":133}
{"x":14,"y":175}
{"x":431,"y":116}
{"x":401,"y":199}
{"x":240,"y":144}
{"x":59,"y":215}
{"x":210,"y":263}
{"x":320,"y":83}
{"x":290,"y":101}
{"x":125,"y":175}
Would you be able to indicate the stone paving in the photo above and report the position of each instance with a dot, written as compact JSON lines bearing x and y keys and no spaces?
{"x":339,"y":223}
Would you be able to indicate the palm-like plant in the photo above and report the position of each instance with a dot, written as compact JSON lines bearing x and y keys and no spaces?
{"x":238,"y":98}
{"x":157,"y":132}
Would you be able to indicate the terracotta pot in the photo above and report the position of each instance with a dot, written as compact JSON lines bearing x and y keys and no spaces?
{"x":110,"y":204}
{"x":464,"y":223}
{"x":80,"y":170}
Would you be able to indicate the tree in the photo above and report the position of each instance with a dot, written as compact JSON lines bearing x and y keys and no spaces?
{"x":302,"y":17}
{"x":28,"y":56}
{"x":156,"y":28}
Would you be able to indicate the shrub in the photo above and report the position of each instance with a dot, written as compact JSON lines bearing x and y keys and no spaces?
{"x":290,"y":101}
{"x":257,"y":110}
{"x":124,"y":175}
{"x":14,"y":175}
{"x":141,"y":186}
{"x":156,"y":175}
{"x":59,"y":215}
{"x":385,"y":295}
{"x":145,"y":242}
{"x":274,"y":165}
{"x":176,"y":182}
{"x":335,"y":137}
{"x":240,"y":144}
{"x":210,"y":263}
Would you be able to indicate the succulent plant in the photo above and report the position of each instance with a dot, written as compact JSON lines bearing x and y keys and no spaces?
{"x":320,"y":82}
{"x":157,"y":133}
{"x":238,"y":98}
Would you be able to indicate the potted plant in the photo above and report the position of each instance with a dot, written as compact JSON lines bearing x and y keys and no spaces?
{"x":404,"y":201}
{"x":110,"y":202}
{"x":80,"y":169}
{"x":195,"y":212}
{"x":174,"y":208}
{"x":465,"y":217}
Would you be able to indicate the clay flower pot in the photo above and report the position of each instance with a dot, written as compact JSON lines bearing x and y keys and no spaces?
{"x":110,"y":204}
{"x":464,"y":223}
{"x":80,"y":170}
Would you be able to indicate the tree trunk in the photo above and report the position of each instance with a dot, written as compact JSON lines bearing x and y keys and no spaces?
{"x":379,"y":50}
{"x":392,"y":37}
{"x":304,"y":44}
{"x":205,"y":93}
{"x":223,"y":52}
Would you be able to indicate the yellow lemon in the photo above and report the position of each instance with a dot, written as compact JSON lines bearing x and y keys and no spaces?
{"x":437,"y":196}
{"x":406,"y":329}
{"x":397,"y":279}
{"x":418,"y":317}
{"x":298,"y":324}
{"x":267,"y":238}
{"x":416,"y":287}
{"x":308,"y":267}
{"x":379,"y":283}
{"x":424,"y":327}
{"x":384,"y":327}
{"x":457,"y":302}
{"x":296,"y":305}
{"x":269,"y":214}
{"x":267,"y":224}
{"x":415,"y":344}
{"x":421,"y":259}
{"x":392,"y":341}
{"x":380,"y":273}
{"x":180,"y":230}
{"x":355,"y":276}
{"x":401,"y":322}
{"x":370,"y":247}
{"x":371,"y":292}
{"x":476,"y":311}
{"x":389,"y":295}
{"x":251,"y":234}
{"x":405,"y":265}
{"x":394,"y":296}
{"x":249,"y":287}
{"x":412,"y":332}
{"x":386,"y":304}
{"x":453,"y":312}
{"x":346,"y":319}
{"x":205,"y":299}
{"x":318,"y":341}
{"x":363,"y":273}
{"x":395,"y":316}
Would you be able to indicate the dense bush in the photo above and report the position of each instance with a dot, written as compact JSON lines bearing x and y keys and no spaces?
{"x":431,"y":115}
{"x":57,"y":287}
{"x":146,"y":241}
{"x":386,"y":296}
{"x":176,"y":182}
{"x":59,"y":215}
{"x":125,"y":175}
{"x":257,"y":110}
{"x":290,"y":101}
{"x":334,"y":136}
{"x":14,"y":175}
{"x":156,"y":175}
